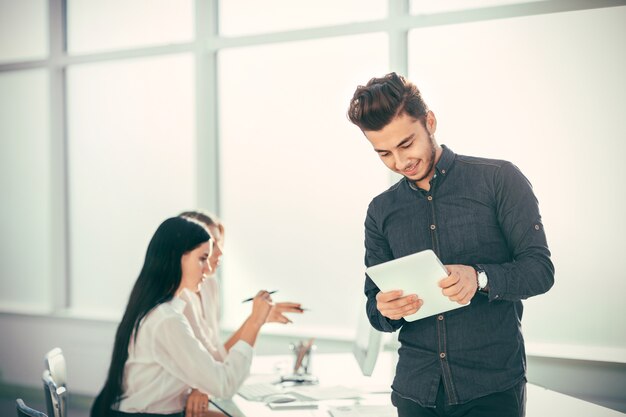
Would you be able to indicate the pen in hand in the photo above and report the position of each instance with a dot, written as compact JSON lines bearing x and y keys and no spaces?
{"x":252,"y":298}
{"x":220,"y":408}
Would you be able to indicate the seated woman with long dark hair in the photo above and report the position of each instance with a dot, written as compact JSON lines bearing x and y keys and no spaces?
{"x":156,"y":356}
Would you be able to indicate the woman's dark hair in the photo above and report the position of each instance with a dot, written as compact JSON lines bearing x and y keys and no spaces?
{"x":376,"y":104}
{"x":158,"y":280}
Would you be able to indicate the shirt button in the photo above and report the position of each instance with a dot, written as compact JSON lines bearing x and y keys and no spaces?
{"x":430,"y":198}
{"x":536,"y":227}
{"x":442,"y":355}
{"x":443,"y":171}
{"x":432,"y":227}
{"x":440,"y":317}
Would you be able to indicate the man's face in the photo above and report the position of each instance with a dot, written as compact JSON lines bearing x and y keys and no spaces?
{"x":406,"y":147}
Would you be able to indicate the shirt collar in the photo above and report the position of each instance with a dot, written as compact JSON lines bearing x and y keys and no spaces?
{"x":178,"y":304}
{"x":446,"y":160}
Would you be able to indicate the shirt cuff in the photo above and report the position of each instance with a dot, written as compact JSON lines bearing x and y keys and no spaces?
{"x":244,"y":348}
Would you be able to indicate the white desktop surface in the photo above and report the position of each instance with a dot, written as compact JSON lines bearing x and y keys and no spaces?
{"x":342,"y":370}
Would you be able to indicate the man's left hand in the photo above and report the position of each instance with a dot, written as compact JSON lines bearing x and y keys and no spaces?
{"x":461,"y":285}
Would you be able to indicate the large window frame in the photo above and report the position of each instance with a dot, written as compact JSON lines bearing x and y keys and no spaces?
{"x":205,"y":46}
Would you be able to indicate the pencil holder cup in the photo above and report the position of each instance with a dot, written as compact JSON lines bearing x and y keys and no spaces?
{"x":302,"y":357}
{"x":302,"y":364}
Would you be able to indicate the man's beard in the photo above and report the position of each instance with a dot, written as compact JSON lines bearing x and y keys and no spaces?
{"x":431,"y":161}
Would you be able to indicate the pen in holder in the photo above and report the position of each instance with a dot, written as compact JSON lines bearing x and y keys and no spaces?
{"x":302,"y":365}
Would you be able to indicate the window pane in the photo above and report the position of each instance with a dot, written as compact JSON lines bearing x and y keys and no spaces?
{"x":95,"y":25}
{"x":429,"y":7}
{"x":296,"y":177}
{"x":548,"y":94}
{"x":25,"y":227}
{"x":23,"y":30}
{"x":245,"y":17}
{"x":132,"y":164}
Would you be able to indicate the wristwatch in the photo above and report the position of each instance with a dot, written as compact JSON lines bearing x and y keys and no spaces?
{"x":481,"y":278}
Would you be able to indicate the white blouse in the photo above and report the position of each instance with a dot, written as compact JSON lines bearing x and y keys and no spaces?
{"x":202,"y":311}
{"x":167,"y":359}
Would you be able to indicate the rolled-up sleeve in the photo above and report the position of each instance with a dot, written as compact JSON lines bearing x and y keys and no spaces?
{"x":531,"y":272}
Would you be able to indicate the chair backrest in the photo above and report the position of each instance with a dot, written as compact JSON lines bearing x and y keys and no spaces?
{"x":55,"y":363}
{"x":25,"y":411}
{"x":56,"y":397}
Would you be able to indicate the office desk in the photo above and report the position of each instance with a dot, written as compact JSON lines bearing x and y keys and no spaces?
{"x":342,"y":370}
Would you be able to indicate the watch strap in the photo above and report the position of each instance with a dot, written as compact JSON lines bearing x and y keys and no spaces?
{"x":479,"y":270}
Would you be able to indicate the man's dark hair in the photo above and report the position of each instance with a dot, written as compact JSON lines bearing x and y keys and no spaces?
{"x":376,"y":104}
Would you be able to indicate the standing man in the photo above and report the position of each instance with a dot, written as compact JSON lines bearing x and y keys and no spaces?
{"x":481,"y":218}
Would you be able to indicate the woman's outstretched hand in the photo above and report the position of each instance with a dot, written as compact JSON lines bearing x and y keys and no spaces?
{"x":276,"y":314}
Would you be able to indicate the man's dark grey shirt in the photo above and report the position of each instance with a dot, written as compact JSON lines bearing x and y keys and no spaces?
{"x":481,"y":212}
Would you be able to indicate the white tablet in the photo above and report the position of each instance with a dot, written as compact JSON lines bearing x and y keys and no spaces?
{"x":418,"y":274}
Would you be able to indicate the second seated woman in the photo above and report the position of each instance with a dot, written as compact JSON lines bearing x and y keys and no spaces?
{"x":203,"y":308}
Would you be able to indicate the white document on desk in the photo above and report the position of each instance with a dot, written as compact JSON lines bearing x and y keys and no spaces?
{"x":419,"y":274}
{"x":318,"y":393}
{"x":359,"y":410}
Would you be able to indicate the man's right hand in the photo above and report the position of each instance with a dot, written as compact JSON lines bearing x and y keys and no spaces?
{"x":394,"y":306}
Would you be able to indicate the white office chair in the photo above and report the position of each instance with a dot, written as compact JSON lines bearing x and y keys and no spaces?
{"x":55,"y":383}
{"x":56,"y":397}
{"x":55,"y":363}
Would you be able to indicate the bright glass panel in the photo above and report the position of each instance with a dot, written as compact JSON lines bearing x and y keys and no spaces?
{"x":25,"y":223}
{"x":132,"y":164}
{"x":246,"y":17}
{"x":548,"y":94}
{"x":23,"y":30}
{"x":94,"y":25}
{"x":430,"y":7}
{"x":296,"y":178}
